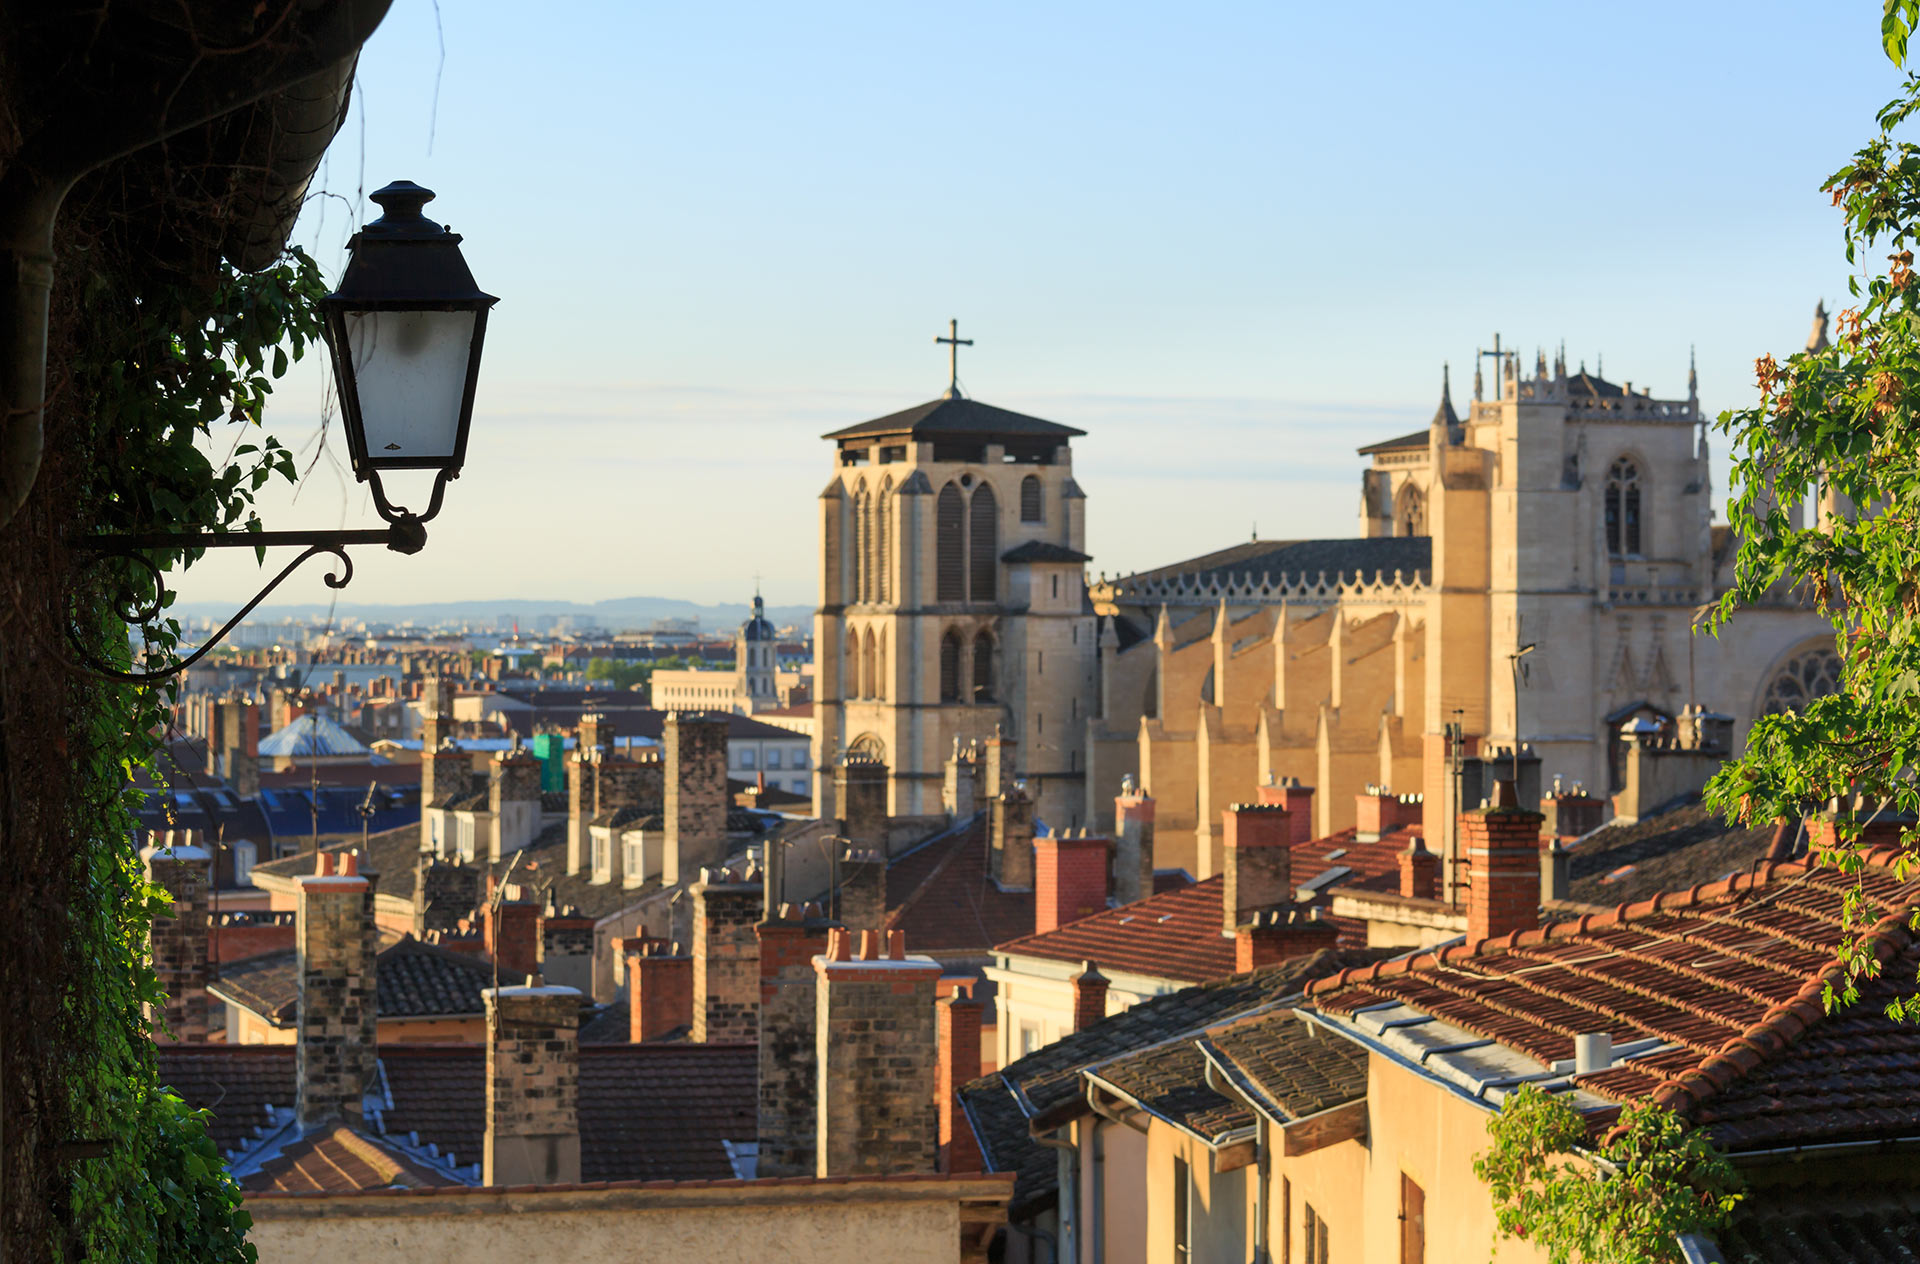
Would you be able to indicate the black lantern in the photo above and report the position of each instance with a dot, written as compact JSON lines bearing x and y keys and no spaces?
{"x":405,"y":328}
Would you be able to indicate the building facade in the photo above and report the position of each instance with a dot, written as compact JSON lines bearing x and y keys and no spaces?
{"x":953,"y":603}
{"x":758,"y":681}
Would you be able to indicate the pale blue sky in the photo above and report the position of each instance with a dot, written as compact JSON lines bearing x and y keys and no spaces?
{"x":1230,"y":241}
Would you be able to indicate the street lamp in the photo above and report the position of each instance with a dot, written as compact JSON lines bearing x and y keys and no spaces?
{"x":405,"y":329}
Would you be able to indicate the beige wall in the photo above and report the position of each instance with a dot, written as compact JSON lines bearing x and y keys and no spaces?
{"x":792,"y":1223}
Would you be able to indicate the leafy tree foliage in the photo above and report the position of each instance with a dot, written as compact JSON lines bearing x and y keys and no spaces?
{"x":1842,"y":423}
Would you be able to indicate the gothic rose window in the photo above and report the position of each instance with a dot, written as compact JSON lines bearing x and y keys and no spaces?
{"x":1810,"y":674}
{"x":1623,"y":509}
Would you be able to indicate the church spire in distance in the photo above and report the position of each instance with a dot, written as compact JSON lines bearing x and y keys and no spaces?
{"x":1444,"y":415}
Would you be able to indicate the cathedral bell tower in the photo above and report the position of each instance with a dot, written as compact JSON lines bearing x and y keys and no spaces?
{"x":953,"y":601}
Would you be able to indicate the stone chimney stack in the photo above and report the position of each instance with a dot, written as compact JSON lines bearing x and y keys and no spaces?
{"x":179,"y":938}
{"x":1258,"y":849}
{"x":958,"y":1019}
{"x":860,"y":788}
{"x":1010,"y":838}
{"x":444,"y":891}
{"x":1069,"y":879}
{"x":862,"y":903}
{"x":659,"y":988}
{"x":696,"y":794}
{"x":240,"y":742}
{"x":533,"y":1086}
{"x":436,"y":726}
{"x":566,"y":947}
{"x":594,"y":742}
{"x":336,"y":1045}
{"x":878,"y":1058}
{"x":1295,"y":930}
{"x":1132,"y":844}
{"x":1501,"y":843}
{"x":789,"y":1064}
{"x":1288,"y":793}
{"x":960,"y":792}
{"x":1089,"y":996}
{"x":726,"y":959}
{"x":512,"y":927}
{"x":1002,"y":765}
{"x":513,"y":796}
{"x":1419,"y":872}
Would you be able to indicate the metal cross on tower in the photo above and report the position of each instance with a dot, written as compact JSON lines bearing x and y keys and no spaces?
{"x":953,"y":342}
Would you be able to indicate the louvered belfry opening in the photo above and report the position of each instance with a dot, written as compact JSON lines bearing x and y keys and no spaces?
{"x":949,"y":528}
{"x":1030,"y":502}
{"x":950,"y":667}
{"x":983,"y":538}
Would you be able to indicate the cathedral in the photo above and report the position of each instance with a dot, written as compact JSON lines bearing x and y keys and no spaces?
{"x":1525,"y":575}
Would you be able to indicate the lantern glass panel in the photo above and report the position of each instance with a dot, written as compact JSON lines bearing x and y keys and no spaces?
{"x":410,"y":369}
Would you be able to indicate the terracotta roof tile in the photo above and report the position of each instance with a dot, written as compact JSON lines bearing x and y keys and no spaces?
{"x":1730,"y":974}
{"x":1669,"y":851}
{"x":338,"y":1160}
{"x":940,"y":894}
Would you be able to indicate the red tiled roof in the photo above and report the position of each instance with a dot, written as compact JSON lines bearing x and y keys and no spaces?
{"x":339,"y":1160}
{"x":1730,"y":974}
{"x":941,"y":896}
{"x":1176,"y":934}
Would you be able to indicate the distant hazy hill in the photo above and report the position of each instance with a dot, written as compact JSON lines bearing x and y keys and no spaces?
{"x":614,"y":615}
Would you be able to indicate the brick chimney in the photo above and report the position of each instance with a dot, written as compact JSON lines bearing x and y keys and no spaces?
{"x":533,"y":1086}
{"x":1010,"y":838}
{"x":789,"y":1061}
{"x":659,"y":988}
{"x":1501,"y":844}
{"x":1288,"y":793}
{"x":1069,"y":879}
{"x":1257,"y":847}
{"x":179,"y":937}
{"x":1089,"y":996}
{"x":1002,"y":764}
{"x":335,"y":1048}
{"x":726,"y":959}
{"x":566,"y":947}
{"x":696,"y":793}
{"x":1419,"y":872}
{"x":1132,"y":845}
{"x":958,"y":1020}
{"x":1277,"y":934}
{"x":863,"y":889}
{"x":512,"y":928}
{"x":513,"y":797}
{"x":878,"y":1058}
{"x":860,"y":790}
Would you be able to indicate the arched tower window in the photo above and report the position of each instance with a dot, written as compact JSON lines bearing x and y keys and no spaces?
{"x":882,"y":557}
{"x":853,"y":664}
{"x":1623,"y":509}
{"x":1031,"y":507}
{"x":1410,"y":511}
{"x":1812,"y":673}
{"x":983,"y":668}
{"x":862,"y":541}
{"x":949,"y":545}
{"x":866,"y":668}
{"x":880,"y":665}
{"x":983,"y":541}
{"x":950,"y":666}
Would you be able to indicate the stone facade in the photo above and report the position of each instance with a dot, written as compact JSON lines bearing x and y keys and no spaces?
{"x":726,"y":960}
{"x":953,"y":604}
{"x":695,"y":800}
{"x":876,"y":1047}
{"x":179,"y":937}
{"x":789,"y":1063}
{"x":335,"y":1048}
{"x":533,"y":1086}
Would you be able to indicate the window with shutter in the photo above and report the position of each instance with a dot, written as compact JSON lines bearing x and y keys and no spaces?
{"x":949,"y":545}
{"x":983,"y":542}
{"x":1030,"y":503}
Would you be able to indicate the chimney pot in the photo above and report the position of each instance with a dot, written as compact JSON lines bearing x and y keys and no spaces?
{"x":323,"y":866}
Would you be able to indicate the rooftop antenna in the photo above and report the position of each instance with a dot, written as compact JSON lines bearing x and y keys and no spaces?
{"x":1517,"y":659}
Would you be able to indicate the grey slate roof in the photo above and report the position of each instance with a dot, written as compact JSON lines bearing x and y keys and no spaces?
{"x":1405,"y":443}
{"x":1362,"y":558}
{"x":1050,"y":1077}
{"x":414,"y":980}
{"x":1862,"y":1223}
{"x":1292,"y":1069}
{"x":1042,"y":551}
{"x":961,"y":416}
{"x":1672,"y":850}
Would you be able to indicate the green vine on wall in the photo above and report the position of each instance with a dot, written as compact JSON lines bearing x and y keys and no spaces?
{"x":1655,"y":1179}
{"x":161,"y":389}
